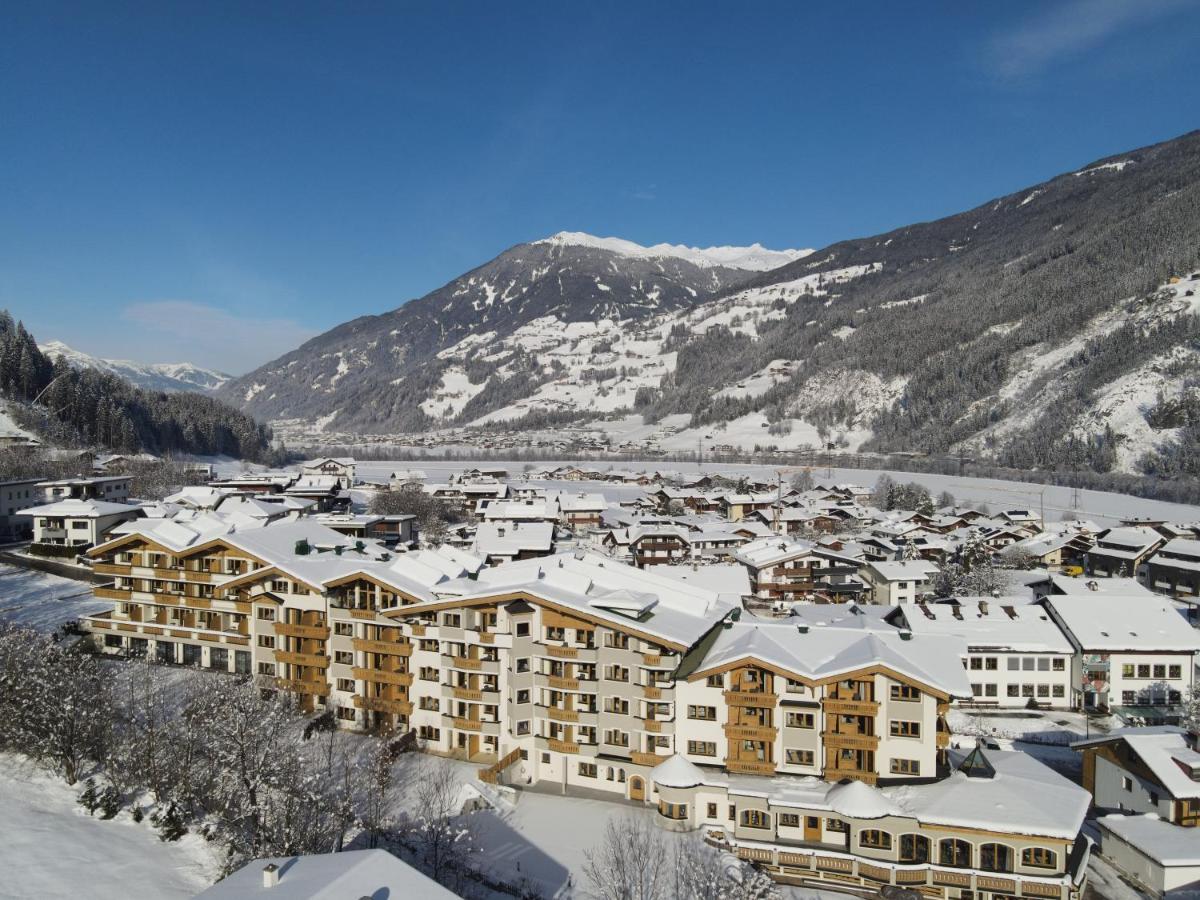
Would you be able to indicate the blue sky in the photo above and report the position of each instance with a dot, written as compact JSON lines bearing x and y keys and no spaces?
{"x":218,"y":181}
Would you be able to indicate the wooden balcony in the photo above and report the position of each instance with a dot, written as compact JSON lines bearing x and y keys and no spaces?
{"x":841,"y":741}
{"x":749,"y":767}
{"x":655,"y":726}
{"x":486,"y":637}
{"x":379,"y":676}
{"x":368,"y":614}
{"x":110,"y":593}
{"x":562,"y":746}
{"x":196,"y":577}
{"x":296,"y":686}
{"x":647,"y":759}
{"x":417,"y":630}
{"x":850,"y":707}
{"x":462,"y":662}
{"x":317,"y":660}
{"x":562,"y":715}
{"x":382,"y":704}
{"x":652,"y":659}
{"x":103,"y":568}
{"x":751,"y":732}
{"x":467,"y":724}
{"x":391,"y":648}
{"x":952,"y":879}
{"x":308,"y":632}
{"x":562,"y":684}
{"x":651,"y":693}
{"x":467,"y":694}
{"x":563,"y":652}
{"x":749,"y":698}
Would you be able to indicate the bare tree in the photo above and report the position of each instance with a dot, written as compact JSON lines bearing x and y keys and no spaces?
{"x":443,"y":840}
{"x":628,"y":863}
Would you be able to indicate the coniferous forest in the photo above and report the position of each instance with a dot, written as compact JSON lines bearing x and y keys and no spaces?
{"x":85,"y":407}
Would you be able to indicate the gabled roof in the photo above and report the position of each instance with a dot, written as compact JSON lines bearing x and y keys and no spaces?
{"x":1164,"y":751}
{"x":1103,"y":622}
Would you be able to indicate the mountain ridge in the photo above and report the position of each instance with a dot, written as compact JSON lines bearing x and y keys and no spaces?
{"x":151,"y":376}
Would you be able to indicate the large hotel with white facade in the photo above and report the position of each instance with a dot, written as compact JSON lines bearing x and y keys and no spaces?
{"x":819,"y":750}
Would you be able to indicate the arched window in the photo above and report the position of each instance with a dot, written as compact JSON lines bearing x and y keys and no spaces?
{"x":756,"y":818}
{"x":995,"y":858}
{"x":878,"y":840}
{"x":1039,"y":857}
{"x":914,"y":848}
{"x":952,"y":852}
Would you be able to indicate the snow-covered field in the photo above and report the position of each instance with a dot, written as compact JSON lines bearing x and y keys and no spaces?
{"x":1099,"y":506}
{"x":51,"y":848}
{"x":44,"y":601}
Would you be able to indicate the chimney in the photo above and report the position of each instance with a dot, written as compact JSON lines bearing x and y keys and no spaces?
{"x":270,"y":875}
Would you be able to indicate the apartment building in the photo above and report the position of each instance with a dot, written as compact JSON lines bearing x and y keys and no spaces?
{"x":111,"y":488}
{"x":1175,"y":569}
{"x":899,"y":583}
{"x":17,"y":495}
{"x":1121,"y":551}
{"x":1016,"y":654}
{"x":1134,"y":651}
{"x":76,"y":523}
{"x":580,"y":672}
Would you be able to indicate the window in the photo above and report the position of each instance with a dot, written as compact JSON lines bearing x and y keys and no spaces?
{"x":266,"y":640}
{"x":432,"y":704}
{"x":702,"y":748}
{"x":1127,"y":783}
{"x":344,"y":629}
{"x":523,"y":726}
{"x":1058,"y":690}
{"x":523,"y":630}
{"x":266,"y":613}
{"x":905,"y":728}
{"x":523,"y":664}
{"x":1174,"y":672}
{"x":345,"y":684}
{"x":906,"y":767}
{"x":789,"y":820}
{"x":1059,"y":664}
{"x":454,"y":620}
{"x":1127,"y":670}
{"x":875,"y":839}
{"x":952,"y":852}
{"x":989,"y":690}
{"x":712,"y":810}
{"x":905,"y":692}
{"x":587,"y":770}
{"x":429,"y":645}
{"x":756,"y":818}
{"x":976,"y":663}
{"x":523,"y":696}
{"x":800,"y":720}
{"x":1160,"y":671}
{"x":1038,"y":857}
{"x":1013,"y":690}
{"x":995,"y":858}
{"x":1014,"y":663}
{"x":706,"y":713}
{"x":715,"y":681}
{"x":990,"y":664}
{"x":345,"y":657}
{"x":799,"y":757}
{"x":266,"y":668}
{"x":914,"y":848}
{"x":1143,"y":671}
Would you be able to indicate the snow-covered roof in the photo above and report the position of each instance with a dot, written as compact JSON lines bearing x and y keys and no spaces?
{"x":1088,"y":586}
{"x":769,"y":551}
{"x":677,"y":772}
{"x":663,"y":607}
{"x":329,"y":876}
{"x":1104,"y":622}
{"x":1166,"y":844}
{"x":991,"y":624}
{"x":499,"y":539}
{"x":725,"y":578}
{"x":79,"y":509}
{"x":905,"y":570}
{"x":830,"y":651}
{"x":1025,"y":797}
{"x":859,"y":800}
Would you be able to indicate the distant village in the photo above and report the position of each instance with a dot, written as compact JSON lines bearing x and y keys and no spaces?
{"x":801,"y":672}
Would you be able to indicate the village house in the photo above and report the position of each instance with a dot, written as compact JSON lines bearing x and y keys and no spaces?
{"x":790,"y":570}
{"x":342,"y":468}
{"x":110,"y":488}
{"x":1121,"y":551}
{"x":897,"y":583}
{"x":1175,"y":569}
{"x":16,"y":496}
{"x":1145,"y":770}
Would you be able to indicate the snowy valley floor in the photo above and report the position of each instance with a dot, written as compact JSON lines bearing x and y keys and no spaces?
{"x":43,"y":601}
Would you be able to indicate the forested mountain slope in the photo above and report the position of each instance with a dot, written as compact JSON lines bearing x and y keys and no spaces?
{"x":67,"y":406}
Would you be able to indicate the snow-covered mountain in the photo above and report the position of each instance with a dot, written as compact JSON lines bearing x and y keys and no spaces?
{"x":152,"y":376}
{"x":1055,"y":327}
{"x":755,"y":258}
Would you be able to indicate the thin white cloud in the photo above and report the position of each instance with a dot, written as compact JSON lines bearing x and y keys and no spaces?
{"x":1068,"y":29}
{"x":183,"y":331}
